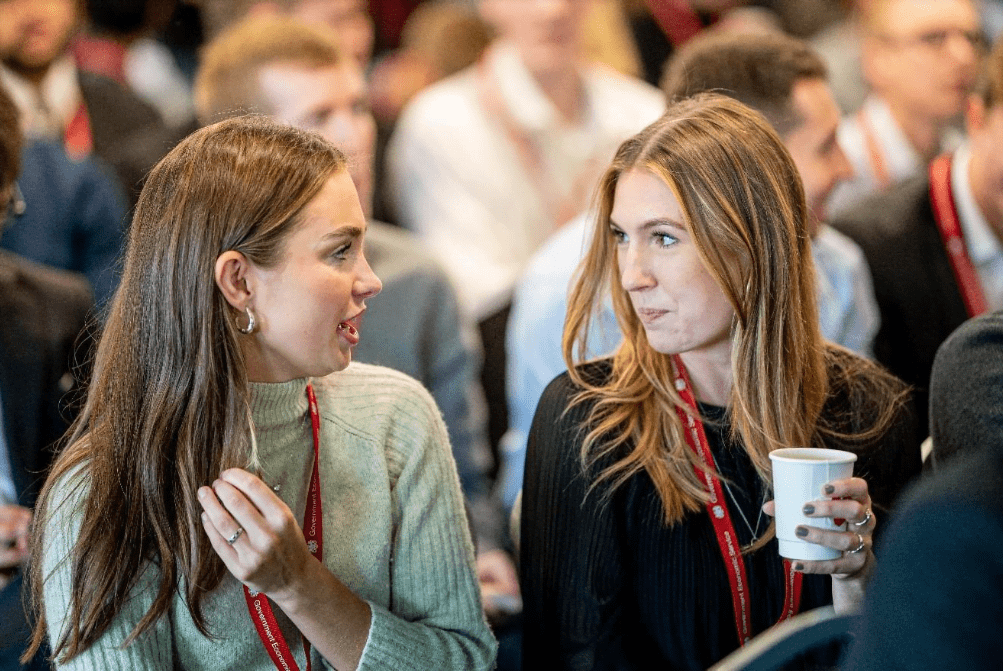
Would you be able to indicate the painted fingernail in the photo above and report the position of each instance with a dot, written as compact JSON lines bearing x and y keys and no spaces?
{"x":808,"y":509}
{"x":799,"y":566}
{"x":838,"y":521}
{"x":828,"y":489}
{"x":801,"y":532}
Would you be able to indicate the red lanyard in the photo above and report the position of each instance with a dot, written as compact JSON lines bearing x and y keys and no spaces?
{"x":874,"y":155}
{"x":720,"y":517}
{"x":560,"y":210}
{"x":945,"y":213}
{"x":77,"y":138}
{"x":313,"y":531}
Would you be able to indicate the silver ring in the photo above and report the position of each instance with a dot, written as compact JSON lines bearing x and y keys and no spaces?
{"x":860,"y":545}
{"x":240,"y":530}
{"x":867,"y":518}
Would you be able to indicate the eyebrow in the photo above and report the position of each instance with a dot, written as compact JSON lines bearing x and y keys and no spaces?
{"x":652,"y":223}
{"x":349,"y":231}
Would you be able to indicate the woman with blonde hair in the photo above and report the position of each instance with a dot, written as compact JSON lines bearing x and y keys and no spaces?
{"x":702,"y":241}
{"x":235,"y":494}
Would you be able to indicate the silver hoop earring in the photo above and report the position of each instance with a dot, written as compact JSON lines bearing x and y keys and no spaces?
{"x":249,"y":329}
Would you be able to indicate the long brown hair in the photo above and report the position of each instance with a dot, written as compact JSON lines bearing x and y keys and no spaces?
{"x":168,"y":408}
{"x":744,"y":206}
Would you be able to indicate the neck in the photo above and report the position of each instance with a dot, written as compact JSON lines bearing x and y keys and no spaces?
{"x":922,"y":132}
{"x":710,"y":374}
{"x":983,"y":191}
{"x":562,"y":85}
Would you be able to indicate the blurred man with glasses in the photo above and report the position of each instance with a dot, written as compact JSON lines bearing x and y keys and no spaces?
{"x":920,"y":58}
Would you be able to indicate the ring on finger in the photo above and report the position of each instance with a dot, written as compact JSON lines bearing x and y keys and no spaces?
{"x":867,"y":518}
{"x":860,"y":545}
{"x":236,"y":534}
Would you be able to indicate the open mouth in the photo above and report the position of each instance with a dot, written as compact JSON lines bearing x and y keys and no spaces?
{"x":349,"y":328}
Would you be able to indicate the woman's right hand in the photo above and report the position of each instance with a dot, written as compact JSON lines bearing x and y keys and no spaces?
{"x":268,"y":554}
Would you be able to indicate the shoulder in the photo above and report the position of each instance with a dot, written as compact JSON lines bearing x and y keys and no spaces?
{"x":59,"y":299}
{"x":442,"y":105}
{"x":626,"y":100}
{"x":613,"y":85}
{"x":966,"y":396}
{"x":561,"y":409}
{"x":888,"y":215}
{"x":377,"y":402}
{"x":858,"y":386}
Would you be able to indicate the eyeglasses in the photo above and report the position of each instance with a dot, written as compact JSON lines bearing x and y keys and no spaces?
{"x":937,"y":40}
{"x":14,"y":207}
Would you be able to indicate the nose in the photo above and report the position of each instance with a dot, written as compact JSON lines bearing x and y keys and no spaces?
{"x":367,"y":284}
{"x":634,"y":272}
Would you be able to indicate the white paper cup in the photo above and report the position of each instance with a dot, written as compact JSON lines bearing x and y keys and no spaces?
{"x":798,"y":476}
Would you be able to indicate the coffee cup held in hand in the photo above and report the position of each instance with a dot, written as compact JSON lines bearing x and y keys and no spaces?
{"x":799,"y":474}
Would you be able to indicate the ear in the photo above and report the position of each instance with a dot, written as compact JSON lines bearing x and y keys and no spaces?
{"x":232,"y":272}
{"x":975,"y":114}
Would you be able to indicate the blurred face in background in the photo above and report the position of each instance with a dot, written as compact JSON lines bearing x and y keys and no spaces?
{"x":922,"y":56}
{"x":813,"y":145}
{"x":349,"y":18}
{"x":333,"y":102}
{"x":33,"y":33}
{"x":546,"y":32}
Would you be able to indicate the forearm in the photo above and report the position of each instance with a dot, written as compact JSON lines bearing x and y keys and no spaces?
{"x":329,"y":615}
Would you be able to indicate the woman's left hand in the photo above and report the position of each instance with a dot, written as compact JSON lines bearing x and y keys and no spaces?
{"x":254,"y":533}
{"x":849,"y":502}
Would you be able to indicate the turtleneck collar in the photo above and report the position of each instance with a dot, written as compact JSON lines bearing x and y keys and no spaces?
{"x":277,"y":403}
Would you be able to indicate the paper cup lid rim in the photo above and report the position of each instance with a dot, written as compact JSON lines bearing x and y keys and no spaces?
{"x":834,"y":456}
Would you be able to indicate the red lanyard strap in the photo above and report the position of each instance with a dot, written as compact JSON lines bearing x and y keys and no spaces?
{"x":720,"y":517}
{"x":313,"y":532}
{"x":945,"y":214}
{"x":77,"y":138}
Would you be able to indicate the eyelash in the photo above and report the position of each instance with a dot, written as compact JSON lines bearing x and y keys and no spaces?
{"x":663,"y":240}
{"x":341,"y":253}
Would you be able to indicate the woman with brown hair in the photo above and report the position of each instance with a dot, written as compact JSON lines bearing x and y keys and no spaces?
{"x":702,"y":241}
{"x":222,"y":411}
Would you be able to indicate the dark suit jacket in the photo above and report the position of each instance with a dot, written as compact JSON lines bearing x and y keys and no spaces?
{"x":936,"y":601}
{"x":917,"y":295}
{"x":42,"y":311}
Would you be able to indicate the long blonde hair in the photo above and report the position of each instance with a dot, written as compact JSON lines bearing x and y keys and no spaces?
{"x":744,"y":205}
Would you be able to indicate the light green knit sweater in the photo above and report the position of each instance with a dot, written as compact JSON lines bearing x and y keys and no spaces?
{"x":394,"y":532}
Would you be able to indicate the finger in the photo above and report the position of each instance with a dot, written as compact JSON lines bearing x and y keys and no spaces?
{"x":243,"y":515}
{"x":272,"y":508}
{"x":839,"y":509}
{"x":770,"y":508}
{"x":844,"y":541}
{"x":219,"y":544}
{"x":852,"y":488}
{"x":845,"y":565}
{"x":218,"y":516}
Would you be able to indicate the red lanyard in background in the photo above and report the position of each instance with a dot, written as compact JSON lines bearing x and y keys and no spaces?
{"x":720,"y":517}
{"x":945,"y":213}
{"x":313,"y":532}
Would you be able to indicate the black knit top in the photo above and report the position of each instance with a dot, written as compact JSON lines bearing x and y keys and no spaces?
{"x":611,"y":587}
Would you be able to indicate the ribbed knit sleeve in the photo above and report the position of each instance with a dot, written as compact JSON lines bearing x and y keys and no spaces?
{"x":152,"y":651}
{"x":435,"y":620}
